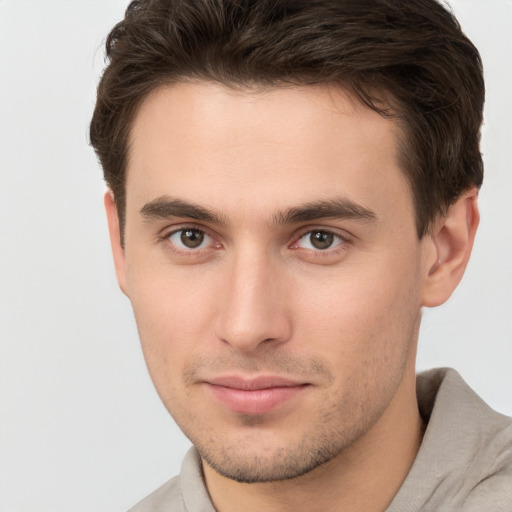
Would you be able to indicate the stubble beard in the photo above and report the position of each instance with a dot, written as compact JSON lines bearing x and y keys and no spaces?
{"x":255,"y":464}
{"x":283,"y":464}
{"x":248,"y":459}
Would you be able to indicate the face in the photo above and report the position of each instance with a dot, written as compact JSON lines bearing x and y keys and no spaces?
{"x":273,"y":266}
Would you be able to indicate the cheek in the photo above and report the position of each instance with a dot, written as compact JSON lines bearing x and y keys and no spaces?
{"x":170,"y":298}
{"x":174,"y":318}
{"x":362,"y":314}
{"x":366,"y":332}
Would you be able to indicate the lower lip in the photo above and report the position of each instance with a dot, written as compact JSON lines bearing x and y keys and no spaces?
{"x":255,"y":401}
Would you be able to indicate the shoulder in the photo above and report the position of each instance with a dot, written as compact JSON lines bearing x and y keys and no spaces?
{"x":465,"y":460}
{"x":183,"y":493}
{"x":167,"y":498}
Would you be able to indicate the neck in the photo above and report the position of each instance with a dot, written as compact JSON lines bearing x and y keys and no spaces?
{"x":364,"y":477}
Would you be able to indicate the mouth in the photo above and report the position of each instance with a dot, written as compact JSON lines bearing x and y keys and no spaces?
{"x":256,"y":395}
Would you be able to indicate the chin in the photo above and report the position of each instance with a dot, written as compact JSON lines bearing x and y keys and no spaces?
{"x":252,"y":460}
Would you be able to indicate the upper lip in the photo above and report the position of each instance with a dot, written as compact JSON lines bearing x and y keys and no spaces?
{"x":253,"y":383}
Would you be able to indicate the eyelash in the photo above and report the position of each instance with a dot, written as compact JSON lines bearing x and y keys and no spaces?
{"x":166,"y":239}
{"x":342,"y":242}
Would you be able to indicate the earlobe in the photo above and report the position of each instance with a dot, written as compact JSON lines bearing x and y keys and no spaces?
{"x":450,"y":244}
{"x":115,"y":239}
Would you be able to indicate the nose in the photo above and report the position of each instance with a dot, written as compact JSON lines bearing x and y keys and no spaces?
{"x":252,"y":307}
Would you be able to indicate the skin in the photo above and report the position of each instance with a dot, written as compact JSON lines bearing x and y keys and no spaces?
{"x":260,"y":296}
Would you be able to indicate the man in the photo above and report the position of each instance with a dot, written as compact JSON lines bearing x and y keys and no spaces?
{"x":289,"y":184}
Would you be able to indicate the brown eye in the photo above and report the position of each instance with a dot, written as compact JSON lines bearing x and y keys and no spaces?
{"x":321,"y":239}
{"x":191,"y":238}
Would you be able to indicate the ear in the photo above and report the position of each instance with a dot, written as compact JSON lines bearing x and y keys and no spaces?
{"x":449,"y":247}
{"x":115,"y":239}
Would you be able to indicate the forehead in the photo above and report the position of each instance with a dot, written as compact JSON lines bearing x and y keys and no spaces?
{"x":268,"y":147}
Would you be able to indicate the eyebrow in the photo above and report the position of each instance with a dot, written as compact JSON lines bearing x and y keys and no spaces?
{"x":166,"y":207}
{"x":338,"y":208}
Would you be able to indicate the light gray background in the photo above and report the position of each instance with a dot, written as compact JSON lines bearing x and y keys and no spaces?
{"x":81,"y":428}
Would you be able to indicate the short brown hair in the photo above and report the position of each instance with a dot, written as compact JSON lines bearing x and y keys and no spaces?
{"x":405,"y":59}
